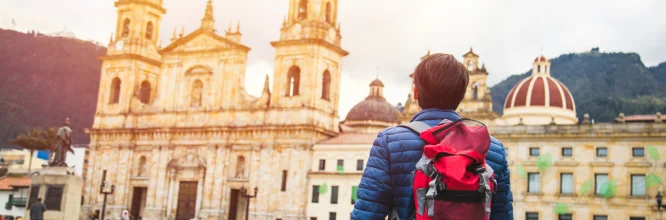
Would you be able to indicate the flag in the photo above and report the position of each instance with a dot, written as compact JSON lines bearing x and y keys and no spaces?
{"x":43,"y":154}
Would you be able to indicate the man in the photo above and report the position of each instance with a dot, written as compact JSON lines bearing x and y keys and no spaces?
{"x":37,"y":210}
{"x":385,"y":189}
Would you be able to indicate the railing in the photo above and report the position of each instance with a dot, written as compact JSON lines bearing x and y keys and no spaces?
{"x":20,"y":201}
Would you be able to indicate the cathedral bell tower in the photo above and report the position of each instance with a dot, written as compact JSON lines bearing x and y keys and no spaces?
{"x":132,"y":62}
{"x":308,"y":59}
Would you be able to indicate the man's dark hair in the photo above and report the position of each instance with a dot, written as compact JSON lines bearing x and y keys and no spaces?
{"x":441,"y":82}
{"x":39,"y":199}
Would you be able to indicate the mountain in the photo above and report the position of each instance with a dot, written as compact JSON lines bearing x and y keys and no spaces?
{"x":602,"y":84}
{"x":659,"y":72}
{"x":44,"y":80}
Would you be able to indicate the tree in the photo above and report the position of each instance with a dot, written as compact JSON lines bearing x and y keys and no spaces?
{"x":36,"y":139}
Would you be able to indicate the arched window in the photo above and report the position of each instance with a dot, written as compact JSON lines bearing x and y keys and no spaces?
{"x":114,"y":97}
{"x":470,"y":65}
{"x":197,"y":90}
{"x":303,"y":9}
{"x":475,"y":91}
{"x":328,"y":12}
{"x":149,"y":30}
{"x":144,"y":93}
{"x":326,"y":86}
{"x":293,"y":80}
{"x":126,"y":27}
{"x":240,"y":167}
{"x":142,"y":166}
{"x":538,"y":68}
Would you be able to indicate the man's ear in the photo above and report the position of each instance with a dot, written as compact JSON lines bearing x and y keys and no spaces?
{"x":416,"y":93}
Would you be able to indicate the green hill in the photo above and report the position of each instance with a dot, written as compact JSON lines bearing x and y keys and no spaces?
{"x":603,"y":84}
{"x":46,"y":79}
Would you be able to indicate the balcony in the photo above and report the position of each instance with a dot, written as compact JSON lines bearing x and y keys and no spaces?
{"x":19,"y":202}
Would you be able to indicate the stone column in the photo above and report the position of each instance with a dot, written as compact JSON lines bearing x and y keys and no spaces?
{"x":209,"y":177}
{"x":217,"y":168}
{"x":171,"y":180}
{"x":200,"y":189}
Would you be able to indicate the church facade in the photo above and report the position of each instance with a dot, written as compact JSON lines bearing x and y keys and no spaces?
{"x":179,"y":137}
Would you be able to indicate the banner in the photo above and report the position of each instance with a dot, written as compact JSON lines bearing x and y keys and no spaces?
{"x":43,"y":154}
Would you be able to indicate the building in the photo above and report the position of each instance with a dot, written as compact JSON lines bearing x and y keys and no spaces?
{"x":13,"y":195}
{"x":560,"y":168}
{"x":178,"y":135}
{"x":18,"y":160}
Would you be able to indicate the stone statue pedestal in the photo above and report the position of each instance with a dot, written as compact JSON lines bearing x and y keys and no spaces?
{"x":60,"y":190}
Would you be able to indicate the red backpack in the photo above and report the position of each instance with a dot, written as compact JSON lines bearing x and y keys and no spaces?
{"x":452,"y":180}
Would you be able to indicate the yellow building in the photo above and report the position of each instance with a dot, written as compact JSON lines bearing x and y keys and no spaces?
{"x":180,"y":137}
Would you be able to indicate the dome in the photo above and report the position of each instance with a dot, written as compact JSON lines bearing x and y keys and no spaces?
{"x":540,"y":91}
{"x":377,"y":82}
{"x":540,"y":99}
{"x":374,"y":113}
{"x":374,"y":109}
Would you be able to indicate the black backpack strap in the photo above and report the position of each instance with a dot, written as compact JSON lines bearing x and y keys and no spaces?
{"x":416,"y":126}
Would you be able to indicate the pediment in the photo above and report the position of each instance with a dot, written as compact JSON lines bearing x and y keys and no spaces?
{"x":201,"y":40}
{"x":190,"y":160}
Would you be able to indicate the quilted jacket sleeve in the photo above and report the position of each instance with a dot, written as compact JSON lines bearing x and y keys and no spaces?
{"x":502,"y":207}
{"x":374,"y":191}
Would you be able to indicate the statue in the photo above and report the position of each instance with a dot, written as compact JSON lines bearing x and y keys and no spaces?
{"x":63,"y":144}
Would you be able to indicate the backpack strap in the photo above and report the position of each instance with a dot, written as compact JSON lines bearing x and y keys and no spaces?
{"x":484,"y":186}
{"x":416,"y":126}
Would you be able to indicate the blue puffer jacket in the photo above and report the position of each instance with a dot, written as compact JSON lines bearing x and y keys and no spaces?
{"x":386,"y":188}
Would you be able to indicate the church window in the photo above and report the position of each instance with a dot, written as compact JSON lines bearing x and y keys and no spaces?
{"x":142,"y":166}
{"x":469,"y":66}
{"x":538,"y":68}
{"x":144,"y":93}
{"x":126,"y":27}
{"x":328,"y":12}
{"x":475,"y":91}
{"x":326,"y":86}
{"x":303,"y":9}
{"x":197,"y":93}
{"x":115,"y":91}
{"x":240,"y":167}
{"x":293,"y":80}
{"x":149,"y":30}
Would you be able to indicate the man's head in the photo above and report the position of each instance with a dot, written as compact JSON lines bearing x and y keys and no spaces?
{"x":67,"y":121}
{"x":39,"y":199}
{"x":440,"y":82}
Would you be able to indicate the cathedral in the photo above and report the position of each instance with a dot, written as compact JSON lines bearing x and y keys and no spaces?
{"x":179,"y":137}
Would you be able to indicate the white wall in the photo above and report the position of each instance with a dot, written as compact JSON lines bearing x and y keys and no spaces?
{"x":15,"y":211}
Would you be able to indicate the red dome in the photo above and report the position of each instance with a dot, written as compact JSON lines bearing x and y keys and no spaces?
{"x":540,"y":91}
{"x":541,"y":59}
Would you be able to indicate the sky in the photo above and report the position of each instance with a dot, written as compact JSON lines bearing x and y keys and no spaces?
{"x":386,"y":38}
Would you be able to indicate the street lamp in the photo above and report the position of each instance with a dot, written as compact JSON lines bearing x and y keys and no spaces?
{"x":106,"y":193}
{"x":248,"y":196}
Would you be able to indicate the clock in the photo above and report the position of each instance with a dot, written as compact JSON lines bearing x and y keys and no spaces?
{"x":120,"y":44}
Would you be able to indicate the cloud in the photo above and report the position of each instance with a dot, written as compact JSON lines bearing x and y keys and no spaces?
{"x":389,"y":36}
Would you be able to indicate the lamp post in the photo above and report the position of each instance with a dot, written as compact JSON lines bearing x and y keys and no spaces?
{"x":106,"y":193}
{"x":248,"y":196}
{"x":659,"y":197}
